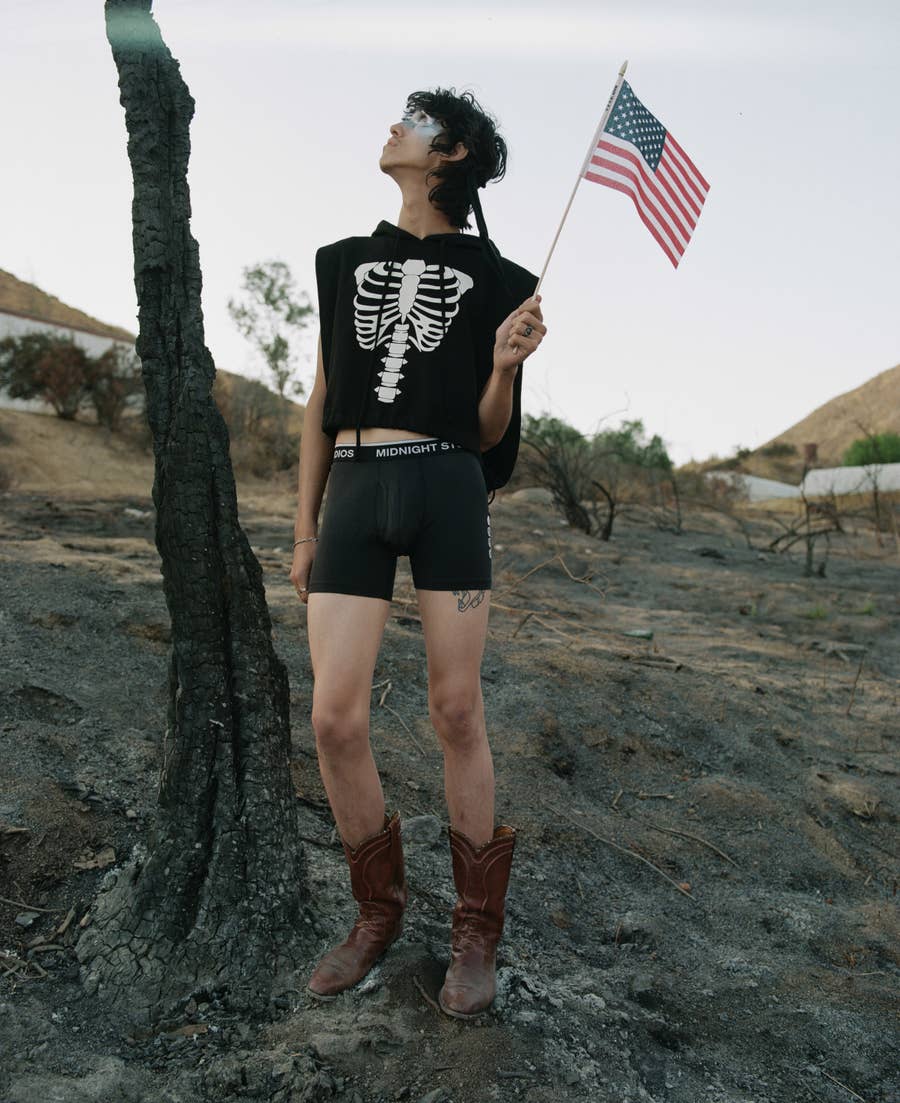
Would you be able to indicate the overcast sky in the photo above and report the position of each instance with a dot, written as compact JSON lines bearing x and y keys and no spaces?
{"x":786,"y":295}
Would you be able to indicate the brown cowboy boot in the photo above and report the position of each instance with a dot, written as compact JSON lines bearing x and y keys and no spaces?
{"x":481,"y":876}
{"x":378,"y":883}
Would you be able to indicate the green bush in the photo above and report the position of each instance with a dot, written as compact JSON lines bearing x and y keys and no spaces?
{"x":875,"y":448}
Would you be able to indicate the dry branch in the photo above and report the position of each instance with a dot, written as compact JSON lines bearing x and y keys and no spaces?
{"x":621,"y":849}
{"x":686,"y":835}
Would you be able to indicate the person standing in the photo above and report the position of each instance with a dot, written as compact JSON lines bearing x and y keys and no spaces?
{"x":413,"y":419}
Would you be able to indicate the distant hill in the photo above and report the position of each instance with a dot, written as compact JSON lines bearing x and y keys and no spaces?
{"x":25,"y":300}
{"x":836,"y":424}
{"x":41,"y":453}
{"x":832,"y":427}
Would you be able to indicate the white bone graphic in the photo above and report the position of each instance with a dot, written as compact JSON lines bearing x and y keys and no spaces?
{"x":409,"y":296}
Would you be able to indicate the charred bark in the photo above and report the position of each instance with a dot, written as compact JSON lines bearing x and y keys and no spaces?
{"x":215,"y":902}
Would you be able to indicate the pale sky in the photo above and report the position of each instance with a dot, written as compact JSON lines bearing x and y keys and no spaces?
{"x":785,"y":297}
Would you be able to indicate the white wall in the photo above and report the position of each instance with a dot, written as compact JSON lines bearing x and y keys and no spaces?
{"x":852,"y":480}
{"x":755,"y":487}
{"x":12,"y":325}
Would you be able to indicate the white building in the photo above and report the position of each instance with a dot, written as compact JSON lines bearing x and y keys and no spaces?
{"x":754,"y":488}
{"x":851,"y":480}
{"x":24,"y":308}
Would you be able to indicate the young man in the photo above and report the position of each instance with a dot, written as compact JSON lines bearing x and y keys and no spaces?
{"x":413,"y":418}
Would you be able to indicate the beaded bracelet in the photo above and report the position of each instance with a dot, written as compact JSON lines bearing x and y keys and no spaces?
{"x":303,"y":539}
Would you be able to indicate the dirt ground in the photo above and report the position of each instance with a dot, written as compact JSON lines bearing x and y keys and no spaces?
{"x":703,"y":901}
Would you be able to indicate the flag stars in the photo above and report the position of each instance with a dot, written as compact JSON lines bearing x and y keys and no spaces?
{"x":632,"y":122}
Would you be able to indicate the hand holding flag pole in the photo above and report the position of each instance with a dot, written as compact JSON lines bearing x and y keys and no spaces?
{"x":634,"y":153}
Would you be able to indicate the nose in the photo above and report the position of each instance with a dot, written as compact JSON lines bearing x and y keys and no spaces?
{"x":396,"y":130}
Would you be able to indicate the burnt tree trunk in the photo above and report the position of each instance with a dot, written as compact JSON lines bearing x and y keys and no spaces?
{"x":215,"y":903}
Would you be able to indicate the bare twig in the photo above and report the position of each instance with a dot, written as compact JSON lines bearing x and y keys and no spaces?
{"x":844,"y":1086}
{"x":425,"y":995}
{"x":621,"y":849}
{"x":393,"y":712}
{"x":853,"y":690}
{"x":583,"y":581}
{"x":553,"y":558}
{"x":686,"y":835}
{"x":528,"y":574}
{"x":553,"y":628}
{"x":810,"y":1093}
{"x":522,"y":624}
{"x":64,"y":926}
{"x":30,"y":907}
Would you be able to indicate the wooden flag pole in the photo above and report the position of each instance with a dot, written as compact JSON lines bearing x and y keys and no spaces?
{"x":584,"y":164}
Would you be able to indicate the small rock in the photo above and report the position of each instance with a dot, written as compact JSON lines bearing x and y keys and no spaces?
{"x":422,"y":830}
{"x":439,"y":1095}
{"x":637,"y":928}
{"x":334,"y":1045}
{"x":642,"y":990}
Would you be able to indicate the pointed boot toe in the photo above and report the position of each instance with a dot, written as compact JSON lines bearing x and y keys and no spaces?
{"x":378,"y":883}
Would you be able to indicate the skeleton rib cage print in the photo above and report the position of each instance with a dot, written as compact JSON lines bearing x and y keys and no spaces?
{"x":410,"y":304}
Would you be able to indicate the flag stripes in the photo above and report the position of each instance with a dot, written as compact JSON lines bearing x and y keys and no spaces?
{"x":637,"y":156}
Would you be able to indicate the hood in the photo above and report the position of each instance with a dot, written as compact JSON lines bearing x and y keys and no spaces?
{"x":453,"y":240}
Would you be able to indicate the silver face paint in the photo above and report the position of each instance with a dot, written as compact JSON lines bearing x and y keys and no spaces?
{"x":420,"y":120}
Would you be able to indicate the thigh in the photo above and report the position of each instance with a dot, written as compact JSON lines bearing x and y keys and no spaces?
{"x":345,"y":633}
{"x":455,"y":628}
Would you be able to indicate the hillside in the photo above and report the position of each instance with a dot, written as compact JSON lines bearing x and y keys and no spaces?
{"x":28,"y":301}
{"x":833,"y":426}
{"x":40,"y":452}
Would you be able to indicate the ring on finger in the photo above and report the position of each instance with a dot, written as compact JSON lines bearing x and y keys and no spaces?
{"x":528,"y":331}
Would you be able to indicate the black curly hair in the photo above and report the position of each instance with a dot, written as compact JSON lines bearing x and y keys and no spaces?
{"x":463,"y":120}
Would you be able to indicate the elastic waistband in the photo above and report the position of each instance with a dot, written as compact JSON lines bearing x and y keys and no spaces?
{"x":395,"y":450}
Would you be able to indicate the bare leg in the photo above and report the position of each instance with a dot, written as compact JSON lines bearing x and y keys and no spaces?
{"x":455,"y":626}
{"x":345,"y":634}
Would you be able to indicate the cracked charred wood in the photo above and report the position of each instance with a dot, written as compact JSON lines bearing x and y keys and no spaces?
{"x":215,"y":902}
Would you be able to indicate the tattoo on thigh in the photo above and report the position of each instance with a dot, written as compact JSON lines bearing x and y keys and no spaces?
{"x":467,"y":600}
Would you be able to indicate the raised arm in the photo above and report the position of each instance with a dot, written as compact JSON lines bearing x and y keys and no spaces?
{"x":517,"y":338}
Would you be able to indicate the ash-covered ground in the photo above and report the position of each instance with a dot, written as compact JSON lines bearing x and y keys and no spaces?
{"x":703,"y":901}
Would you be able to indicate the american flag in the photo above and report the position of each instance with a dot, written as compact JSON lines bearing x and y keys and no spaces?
{"x":635,"y":154}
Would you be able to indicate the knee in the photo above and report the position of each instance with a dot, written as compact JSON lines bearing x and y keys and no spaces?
{"x":338,"y":727}
{"x":457,"y":716}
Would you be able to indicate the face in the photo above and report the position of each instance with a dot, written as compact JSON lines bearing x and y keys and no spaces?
{"x":410,"y":141}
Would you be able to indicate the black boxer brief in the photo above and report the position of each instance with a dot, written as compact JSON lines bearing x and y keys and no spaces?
{"x":425,"y":498}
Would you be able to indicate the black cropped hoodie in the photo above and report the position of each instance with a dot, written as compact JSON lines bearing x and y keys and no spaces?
{"x":408,"y":332}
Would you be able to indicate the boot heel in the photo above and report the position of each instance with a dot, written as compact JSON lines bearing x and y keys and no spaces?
{"x":481,"y":876}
